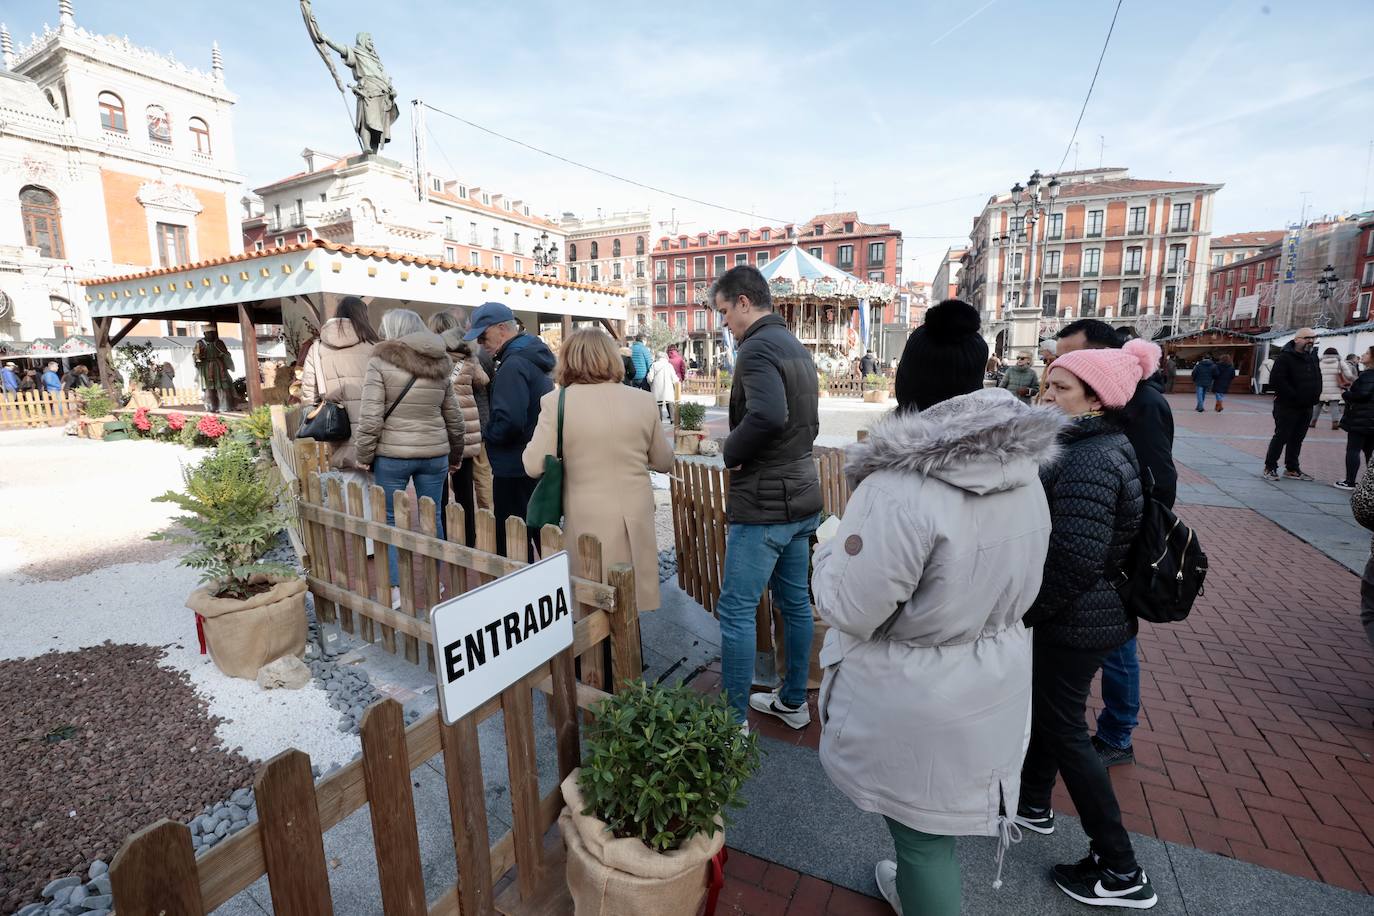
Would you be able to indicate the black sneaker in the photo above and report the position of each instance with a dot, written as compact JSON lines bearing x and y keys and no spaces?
{"x":1088,"y":882}
{"x":1297,"y":475}
{"x":1271,"y":474}
{"x":1112,"y":756}
{"x":1040,"y":822}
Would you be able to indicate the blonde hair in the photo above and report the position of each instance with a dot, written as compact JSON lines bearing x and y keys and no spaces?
{"x":589,"y":357}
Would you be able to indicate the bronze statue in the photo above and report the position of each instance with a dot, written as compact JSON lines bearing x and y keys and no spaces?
{"x":376,"y":97}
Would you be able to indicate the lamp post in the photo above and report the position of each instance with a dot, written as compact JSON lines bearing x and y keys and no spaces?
{"x":1037,"y":196}
{"x":1326,"y":288}
{"x":545,"y":257}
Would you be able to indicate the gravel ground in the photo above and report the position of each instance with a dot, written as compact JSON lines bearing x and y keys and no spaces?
{"x":83,"y":764}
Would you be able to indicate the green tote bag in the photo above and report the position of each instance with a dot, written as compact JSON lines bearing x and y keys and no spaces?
{"x":546,"y":502}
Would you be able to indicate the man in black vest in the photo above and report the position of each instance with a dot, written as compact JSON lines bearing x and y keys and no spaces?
{"x":1297,"y":382}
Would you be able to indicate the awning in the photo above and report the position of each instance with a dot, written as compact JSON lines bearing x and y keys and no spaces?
{"x":799,"y":273}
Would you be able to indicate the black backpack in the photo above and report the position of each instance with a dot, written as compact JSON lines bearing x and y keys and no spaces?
{"x":1164,"y":572}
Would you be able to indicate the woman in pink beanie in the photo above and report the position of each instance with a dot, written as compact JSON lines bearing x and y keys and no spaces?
{"x":1095,"y":500}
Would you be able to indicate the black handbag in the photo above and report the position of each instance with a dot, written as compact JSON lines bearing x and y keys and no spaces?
{"x":546,"y":502}
{"x":327,"y":422}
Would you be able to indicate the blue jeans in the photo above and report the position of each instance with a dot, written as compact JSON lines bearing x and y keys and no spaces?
{"x":776,"y":557}
{"x":394,"y":474}
{"x":1201,"y":396}
{"x":1120,"y":696}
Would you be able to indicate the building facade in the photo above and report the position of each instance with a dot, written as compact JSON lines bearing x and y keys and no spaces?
{"x":1233,"y":292}
{"x":1227,"y":249}
{"x":1364,"y":271}
{"x":612,"y":251}
{"x":113,"y":158}
{"x":1108,"y":246}
{"x":946,"y":282}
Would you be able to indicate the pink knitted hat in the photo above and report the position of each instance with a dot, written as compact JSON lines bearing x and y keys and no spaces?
{"x":1113,"y":374}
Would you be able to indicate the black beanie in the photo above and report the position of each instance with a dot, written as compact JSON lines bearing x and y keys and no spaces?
{"x":944,"y":358}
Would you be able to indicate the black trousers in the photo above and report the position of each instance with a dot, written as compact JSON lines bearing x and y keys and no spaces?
{"x":460,"y":485}
{"x":511,"y":496}
{"x":1356,"y":444}
{"x":1059,"y":745}
{"x":1290,"y":428}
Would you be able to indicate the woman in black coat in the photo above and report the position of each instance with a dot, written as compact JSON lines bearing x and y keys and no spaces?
{"x":1358,"y":421}
{"x":1095,"y":500}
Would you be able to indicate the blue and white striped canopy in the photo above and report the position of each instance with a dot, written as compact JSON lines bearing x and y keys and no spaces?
{"x":795,"y":264}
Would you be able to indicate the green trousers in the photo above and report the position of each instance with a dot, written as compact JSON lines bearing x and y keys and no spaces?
{"x":928,"y":880}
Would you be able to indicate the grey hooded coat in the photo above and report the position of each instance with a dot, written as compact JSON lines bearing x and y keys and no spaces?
{"x":925,"y":705}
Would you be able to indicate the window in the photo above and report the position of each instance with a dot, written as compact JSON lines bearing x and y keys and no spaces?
{"x":436,"y":184}
{"x":877,"y":254}
{"x":1016,"y":264}
{"x":496,"y":240}
{"x":1049,"y":303}
{"x":1362,"y":306}
{"x":639,"y":268}
{"x":723,"y":237}
{"x":42,"y":221}
{"x":1175,"y":263}
{"x":849,"y":226}
{"x":450,"y":254}
{"x":463,"y":191}
{"x":519,"y":266}
{"x":595,"y":251}
{"x":486,"y":199}
{"x":1133,"y":260}
{"x":1245,"y":273}
{"x":1168,"y":300}
{"x":615,"y":270}
{"x":1056,"y":226}
{"x":766,"y":234}
{"x":761,"y":258}
{"x":639,"y":244}
{"x":1052,"y":263}
{"x":258,"y":246}
{"x":680,"y":298}
{"x":1217,"y":259}
{"x":112,"y":112}
{"x":667,"y":316}
{"x":1137,"y":224}
{"x":680,"y":269}
{"x":298,"y":214}
{"x":844,"y":256}
{"x":1230,"y":278}
{"x":572,"y":273}
{"x":1369,"y":249}
{"x":1094,"y":223}
{"x":660,"y":270}
{"x":818,"y":229}
{"x":1092,"y":262}
{"x":596,"y":272}
{"x":1018,"y":225}
{"x":301,"y":238}
{"x":475,"y":258}
{"x":682,"y":319}
{"x":615,"y":248}
{"x":278,"y":242}
{"x":1183,"y":217}
{"x":1087,"y":303}
{"x":448,"y":227}
{"x":1130,"y":300}
{"x":201,"y":132}
{"x":498,"y":262}
{"x":323,"y":197}
{"x":741,"y":257}
{"x":1259,"y":271}
{"x":660,"y":295}
{"x":515,"y":243}
{"x":1368,"y":278}
{"x":699,"y":320}
{"x":159,"y":124}
{"x":698,"y":267}
{"x":472,"y":233}
{"x":572,"y":251}
{"x":875,"y":276}
{"x":718,"y":265}
{"x":816,"y":253}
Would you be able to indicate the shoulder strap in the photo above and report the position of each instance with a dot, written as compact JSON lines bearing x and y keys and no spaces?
{"x":398,"y":399}
{"x":561,"y":393}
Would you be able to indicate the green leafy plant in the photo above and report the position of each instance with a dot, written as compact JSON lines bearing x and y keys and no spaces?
{"x":657,"y":335}
{"x":231,"y":519}
{"x":662,"y":764}
{"x":254,"y":429}
{"x":138,"y":363}
{"x":691,"y":415}
{"x":874,"y":382}
{"x":95,"y":402}
{"x":725,"y":380}
{"x":822,"y":381}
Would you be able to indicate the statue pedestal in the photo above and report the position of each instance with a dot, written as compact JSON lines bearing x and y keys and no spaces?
{"x":372,"y":159}
{"x":1025,"y":330}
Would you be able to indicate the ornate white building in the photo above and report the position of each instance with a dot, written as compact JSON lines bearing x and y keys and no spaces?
{"x":113,"y":158}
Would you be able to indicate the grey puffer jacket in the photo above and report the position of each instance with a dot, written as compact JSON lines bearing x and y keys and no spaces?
{"x":925,"y":708}
{"x":427,"y":422}
{"x":1096,"y":504}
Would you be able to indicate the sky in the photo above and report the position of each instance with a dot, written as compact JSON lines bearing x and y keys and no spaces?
{"x":912,"y":113}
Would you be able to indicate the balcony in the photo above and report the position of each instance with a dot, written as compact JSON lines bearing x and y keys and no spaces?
{"x":1050,"y":273}
{"x":1136,"y":230}
{"x":1071,"y":271}
{"x":1090,"y":272}
{"x":1073,"y":232}
{"x":1054,"y":236}
{"x":1179,"y":227}
{"x":845,"y":265}
{"x":1131,"y":271}
{"x":1113,"y":231}
{"x":1094,"y":234}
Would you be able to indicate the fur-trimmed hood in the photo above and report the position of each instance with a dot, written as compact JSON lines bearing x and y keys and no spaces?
{"x":421,"y":354}
{"x":983,"y":442}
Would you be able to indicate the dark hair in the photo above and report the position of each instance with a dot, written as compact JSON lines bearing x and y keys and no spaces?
{"x":1226,"y":358}
{"x":1099,"y":334}
{"x":743,"y":280}
{"x":354,"y":311}
{"x":1331,"y":351}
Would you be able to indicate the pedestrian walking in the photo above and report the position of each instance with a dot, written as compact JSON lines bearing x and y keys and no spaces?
{"x":1297,"y":382}
{"x":409,"y":422}
{"x":1204,"y":373}
{"x":662,"y":378}
{"x":774,"y":501}
{"x":1149,"y":423}
{"x":9,"y":378}
{"x":467,"y":375}
{"x":679,"y":364}
{"x":1334,"y":383}
{"x":30,"y":381}
{"x":611,"y":439}
{"x":166,"y":377}
{"x":1170,"y":369}
{"x":1262,"y":378}
{"x":523,"y":365}
{"x":1096,"y":502}
{"x":215,"y":369}
{"x":335,"y":370}
{"x":1358,"y":422}
{"x":1021,"y":379}
{"x":1362,"y":505}
{"x":643,"y":359}
{"x":939,"y":554}
{"x":868,"y":365}
{"x":481,"y":393}
{"x":1221,"y":381}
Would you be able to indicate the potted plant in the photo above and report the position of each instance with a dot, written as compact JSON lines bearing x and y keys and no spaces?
{"x":96,"y":404}
{"x":252,"y":612}
{"x":646,"y":810}
{"x":875,"y":388}
{"x":255,"y":430}
{"x":723,"y":384}
{"x":823,"y":384}
{"x":689,"y":433}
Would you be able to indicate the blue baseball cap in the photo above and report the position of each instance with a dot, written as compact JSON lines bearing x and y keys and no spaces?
{"x":487,"y":314}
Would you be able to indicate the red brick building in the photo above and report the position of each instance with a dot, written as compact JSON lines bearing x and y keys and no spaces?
{"x":1364,"y":266}
{"x":1240,"y":280}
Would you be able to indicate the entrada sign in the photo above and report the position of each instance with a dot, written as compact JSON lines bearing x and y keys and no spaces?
{"x":492,"y":636}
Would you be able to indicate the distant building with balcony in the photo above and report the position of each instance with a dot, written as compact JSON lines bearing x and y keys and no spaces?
{"x":113,"y":159}
{"x":612,"y":251}
{"x":1109,"y":246}
{"x":1364,"y":268}
{"x":1227,"y":249}
{"x":1233,"y":290}
{"x":946,"y":282}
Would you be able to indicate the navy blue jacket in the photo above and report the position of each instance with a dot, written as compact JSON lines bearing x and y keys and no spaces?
{"x":522,"y":378}
{"x":1204,"y":373}
{"x":1225,"y":375}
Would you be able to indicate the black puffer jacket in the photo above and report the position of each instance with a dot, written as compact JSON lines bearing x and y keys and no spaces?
{"x":1095,"y":508}
{"x":773,"y":423}
{"x":1359,"y":404}
{"x":1296,"y":377}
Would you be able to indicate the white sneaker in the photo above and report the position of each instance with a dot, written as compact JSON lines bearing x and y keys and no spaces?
{"x":885,"y":872}
{"x":744,"y":729}
{"x":395,"y":596}
{"x":772,"y":705}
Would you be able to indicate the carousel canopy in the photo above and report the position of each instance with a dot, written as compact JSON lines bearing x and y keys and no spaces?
{"x":796,"y":272}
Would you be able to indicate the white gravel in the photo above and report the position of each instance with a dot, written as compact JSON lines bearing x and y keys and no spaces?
{"x":68,"y":500}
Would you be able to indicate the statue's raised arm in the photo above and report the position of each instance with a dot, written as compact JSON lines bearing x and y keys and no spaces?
{"x":376,"y":98}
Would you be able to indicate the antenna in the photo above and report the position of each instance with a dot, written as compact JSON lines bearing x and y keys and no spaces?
{"x":1101,"y":149}
{"x":417,"y":131}
{"x":1302,"y":220}
{"x":1075,"y":155}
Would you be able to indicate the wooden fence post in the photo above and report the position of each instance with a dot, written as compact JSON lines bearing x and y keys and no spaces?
{"x":563,"y":707}
{"x":395,"y":839}
{"x":628,"y":663}
{"x":154,"y":873}
{"x":292,"y":841}
{"x":594,"y":667}
{"x":405,"y":570}
{"x":382,"y":567}
{"x":336,"y":558}
{"x":517,"y":711}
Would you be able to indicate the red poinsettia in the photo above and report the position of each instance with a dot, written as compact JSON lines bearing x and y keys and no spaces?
{"x":176,"y":421}
{"x":211,"y":427}
{"x":141,"y":421}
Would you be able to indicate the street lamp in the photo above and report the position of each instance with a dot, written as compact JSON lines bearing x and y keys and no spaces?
{"x":1326,"y":287}
{"x":1038,"y":197}
{"x":545,"y":256}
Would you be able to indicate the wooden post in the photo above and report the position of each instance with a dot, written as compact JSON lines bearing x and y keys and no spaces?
{"x":627,"y":663}
{"x":154,"y":872}
{"x":468,"y":815}
{"x":394,"y":838}
{"x":249,"y":340}
{"x":292,"y":841}
{"x":567,"y":329}
{"x":563,"y":709}
{"x":517,"y":712}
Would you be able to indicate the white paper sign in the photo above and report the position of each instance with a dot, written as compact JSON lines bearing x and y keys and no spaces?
{"x":494,"y":635}
{"x":1246,"y":306}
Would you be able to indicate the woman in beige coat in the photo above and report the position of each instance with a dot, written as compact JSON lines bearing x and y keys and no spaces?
{"x":467,"y":372}
{"x":611,"y":438}
{"x":334,"y":370}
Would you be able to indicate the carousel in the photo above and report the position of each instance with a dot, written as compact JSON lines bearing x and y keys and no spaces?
{"x":830,"y":312}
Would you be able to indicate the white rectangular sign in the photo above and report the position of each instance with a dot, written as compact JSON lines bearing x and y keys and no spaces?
{"x":1246,"y":306}
{"x":489,"y":638}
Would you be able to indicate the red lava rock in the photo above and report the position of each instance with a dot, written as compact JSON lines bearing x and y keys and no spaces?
{"x":126,"y":762}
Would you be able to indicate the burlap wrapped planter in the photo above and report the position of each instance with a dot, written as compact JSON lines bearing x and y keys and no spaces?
{"x":242,"y":636}
{"x":622,"y":877}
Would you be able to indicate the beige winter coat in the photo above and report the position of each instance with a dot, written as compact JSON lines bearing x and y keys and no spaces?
{"x":427,"y":422}
{"x":925,"y":704}
{"x":611,"y":437}
{"x":467,"y":373}
{"x":334,"y":370}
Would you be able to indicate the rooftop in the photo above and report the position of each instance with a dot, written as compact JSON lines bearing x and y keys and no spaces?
{"x":1248,"y":239}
